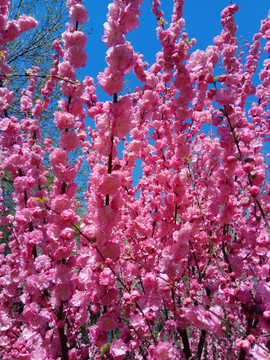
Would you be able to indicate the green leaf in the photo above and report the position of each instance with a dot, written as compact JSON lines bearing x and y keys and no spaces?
{"x":42,"y":201}
{"x":105,"y":348}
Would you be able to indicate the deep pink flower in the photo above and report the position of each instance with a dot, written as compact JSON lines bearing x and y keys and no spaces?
{"x":76,"y":55}
{"x":6,"y":98}
{"x":78,"y":13}
{"x":64,"y":120}
{"x":63,"y":291}
{"x":110,"y":184}
{"x":112,"y":34}
{"x":120,"y":58}
{"x":74,"y":38}
{"x":107,"y":277}
{"x":59,"y":156}
{"x":69,"y":140}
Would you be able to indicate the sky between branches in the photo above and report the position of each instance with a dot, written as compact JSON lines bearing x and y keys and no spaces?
{"x":202,"y":23}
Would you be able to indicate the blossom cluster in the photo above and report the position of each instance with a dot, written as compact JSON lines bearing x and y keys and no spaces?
{"x":175,"y":266}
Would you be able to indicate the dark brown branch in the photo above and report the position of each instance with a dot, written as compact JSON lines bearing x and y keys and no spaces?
{"x":62,"y":335}
{"x":236,"y":141}
{"x":201,"y":345}
{"x":184,"y":337}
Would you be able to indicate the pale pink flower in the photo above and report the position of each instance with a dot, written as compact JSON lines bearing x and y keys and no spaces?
{"x":165,"y":351}
{"x":197,"y":61}
{"x":226,"y":96}
{"x":259,"y":352}
{"x":118,"y":349}
{"x":66,"y":70}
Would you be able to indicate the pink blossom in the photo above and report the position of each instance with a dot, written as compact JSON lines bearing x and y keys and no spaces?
{"x":205,"y":320}
{"x":107,"y":322}
{"x":6,"y":98}
{"x":74,"y":38}
{"x":13,"y":30}
{"x":226,"y":96}
{"x":254,"y":190}
{"x":42,"y":262}
{"x":165,"y":351}
{"x":63,"y":291}
{"x":197,"y":61}
{"x":110,"y":184}
{"x":112,"y":34}
{"x":67,"y":216}
{"x":111,"y":81}
{"x":118,"y":349}
{"x":130,"y":18}
{"x":111,"y":250}
{"x":78,"y":13}
{"x":149,"y":282}
{"x":69,"y":141}
{"x":120,"y":58}
{"x":67,"y":71}
{"x":64,"y":120}
{"x":60,"y":203}
{"x":260,"y":352}
{"x":96,"y":336}
{"x":26,"y":23}
{"x":76,"y":55}
{"x":107,"y":277}
{"x":59,"y":156}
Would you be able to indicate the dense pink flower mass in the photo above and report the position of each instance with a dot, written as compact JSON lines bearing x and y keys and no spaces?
{"x":173,"y":266}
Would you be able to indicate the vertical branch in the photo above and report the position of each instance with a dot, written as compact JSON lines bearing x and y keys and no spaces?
{"x":62,"y":335}
{"x":107,"y":199}
{"x":184,"y":337}
{"x":250,"y":324}
{"x":201,"y":345}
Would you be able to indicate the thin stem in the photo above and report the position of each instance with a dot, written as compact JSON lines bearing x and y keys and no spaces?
{"x":236,"y":141}
{"x":40,"y":76}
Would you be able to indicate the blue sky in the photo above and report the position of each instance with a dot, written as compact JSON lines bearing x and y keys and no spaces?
{"x":202,"y":23}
